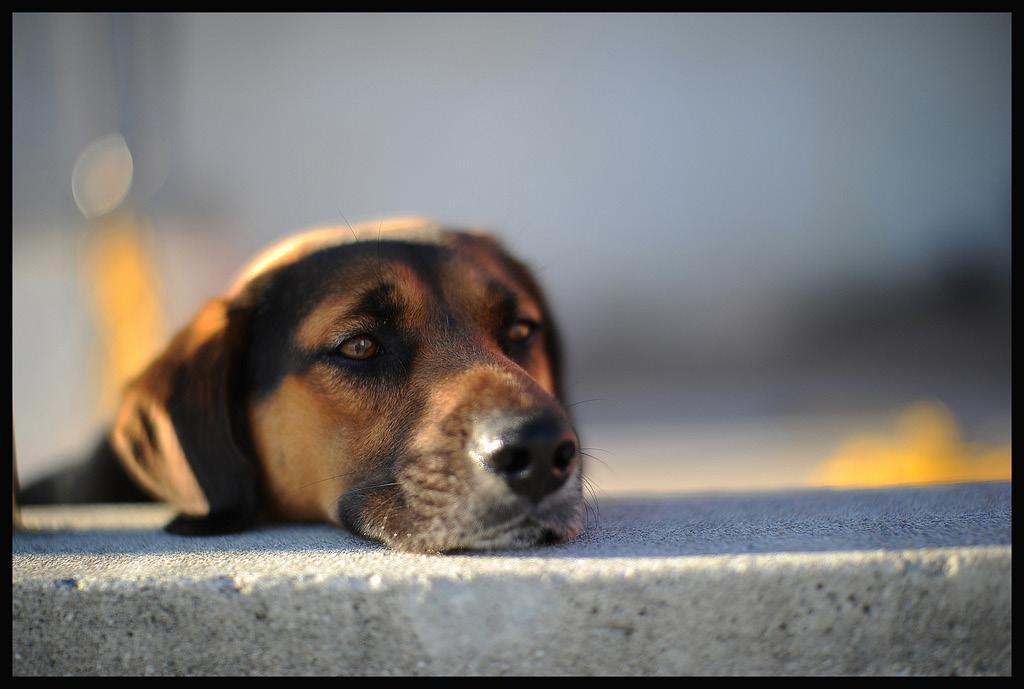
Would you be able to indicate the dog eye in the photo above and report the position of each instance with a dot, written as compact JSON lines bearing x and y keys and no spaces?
{"x":359,"y":347}
{"x":522,"y":330}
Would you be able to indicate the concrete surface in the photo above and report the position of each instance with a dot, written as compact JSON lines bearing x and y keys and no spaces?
{"x":896,"y":581}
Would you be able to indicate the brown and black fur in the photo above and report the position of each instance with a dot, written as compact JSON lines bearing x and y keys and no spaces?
{"x":252,"y":411}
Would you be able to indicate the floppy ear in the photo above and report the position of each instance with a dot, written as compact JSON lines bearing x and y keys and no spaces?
{"x":181,"y":431}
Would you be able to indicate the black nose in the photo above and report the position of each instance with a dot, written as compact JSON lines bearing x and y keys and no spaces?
{"x":535,"y":457}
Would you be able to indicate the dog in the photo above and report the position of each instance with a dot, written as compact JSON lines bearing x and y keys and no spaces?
{"x":401,"y":380}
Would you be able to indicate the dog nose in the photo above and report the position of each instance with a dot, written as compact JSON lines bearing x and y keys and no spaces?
{"x":535,"y":457}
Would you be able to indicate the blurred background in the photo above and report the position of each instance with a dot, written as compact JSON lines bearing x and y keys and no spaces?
{"x":778,"y":245}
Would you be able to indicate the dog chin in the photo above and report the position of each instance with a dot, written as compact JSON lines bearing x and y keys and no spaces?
{"x":560,"y":524}
{"x":529,"y":536}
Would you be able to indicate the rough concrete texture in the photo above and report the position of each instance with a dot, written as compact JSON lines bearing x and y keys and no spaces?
{"x":899,"y":581}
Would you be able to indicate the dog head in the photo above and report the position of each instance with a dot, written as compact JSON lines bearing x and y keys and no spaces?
{"x":400,"y":381}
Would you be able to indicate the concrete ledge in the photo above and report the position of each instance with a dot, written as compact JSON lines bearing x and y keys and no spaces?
{"x":901,"y":581}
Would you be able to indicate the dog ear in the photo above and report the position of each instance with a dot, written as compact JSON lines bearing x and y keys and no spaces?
{"x":182,"y":431}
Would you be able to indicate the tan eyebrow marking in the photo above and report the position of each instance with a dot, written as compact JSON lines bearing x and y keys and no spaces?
{"x":408,"y":295}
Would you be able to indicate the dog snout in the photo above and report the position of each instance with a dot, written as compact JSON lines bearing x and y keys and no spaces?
{"x":534,"y":456}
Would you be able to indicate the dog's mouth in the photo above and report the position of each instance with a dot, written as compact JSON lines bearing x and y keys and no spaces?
{"x":408,"y":518}
{"x":555,"y":526}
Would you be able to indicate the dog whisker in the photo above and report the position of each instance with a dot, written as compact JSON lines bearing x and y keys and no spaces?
{"x":592,"y":488}
{"x":362,"y":489}
{"x":594,"y":399}
{"x":350,"y":228}
{"x":329,"y":478}
{"x":597,"y":459}
{"x":587,"y":512}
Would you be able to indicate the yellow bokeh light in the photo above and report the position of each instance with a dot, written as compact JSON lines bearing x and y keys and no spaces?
{"x":926,"y":447}
{"x":125,"y":288}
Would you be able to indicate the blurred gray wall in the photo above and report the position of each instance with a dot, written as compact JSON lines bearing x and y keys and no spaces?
{"x":696,"y":191}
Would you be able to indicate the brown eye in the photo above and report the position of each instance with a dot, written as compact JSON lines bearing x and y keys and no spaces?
{"x":521,"y":330}
{"x":359,"y":347}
